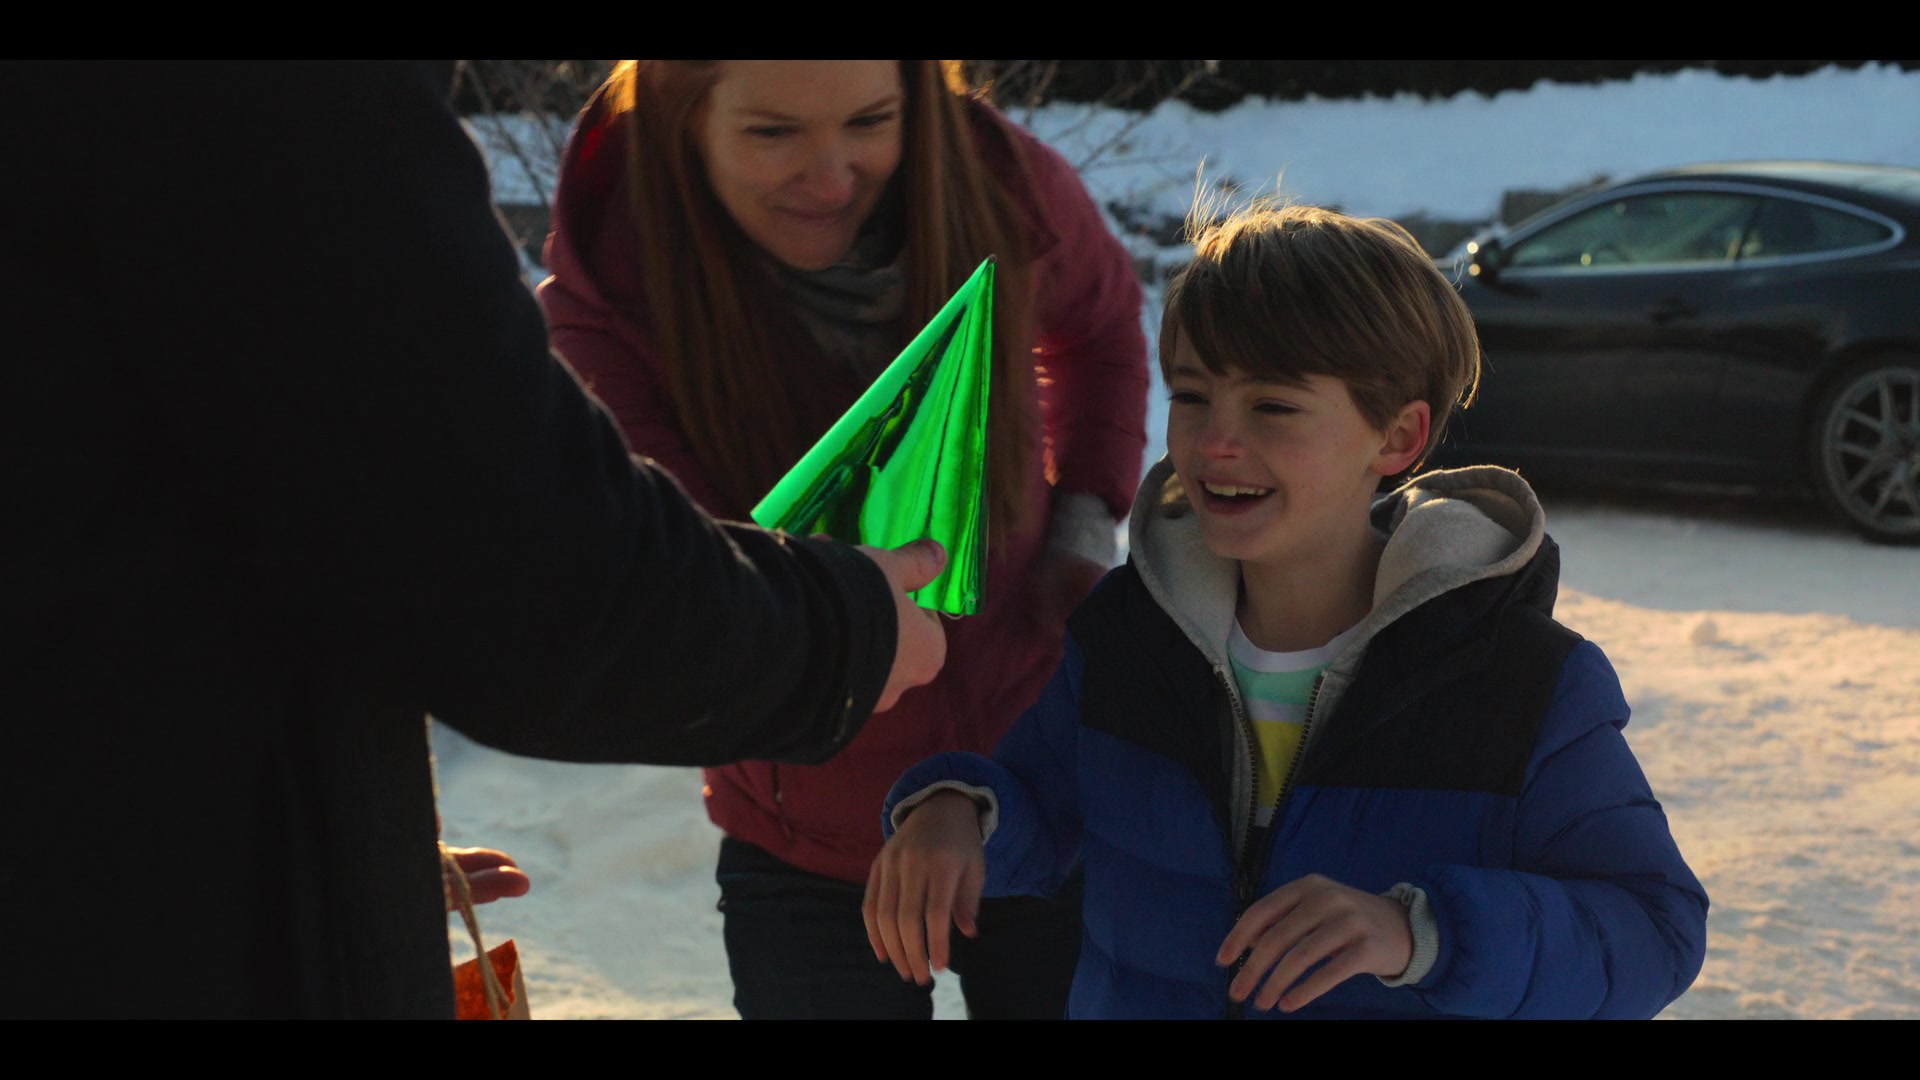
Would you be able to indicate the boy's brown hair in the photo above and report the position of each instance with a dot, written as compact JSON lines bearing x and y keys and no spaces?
{"x":1287,"y":292}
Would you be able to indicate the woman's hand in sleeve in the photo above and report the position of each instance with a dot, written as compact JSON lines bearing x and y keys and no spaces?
{"x":1062,"y":581}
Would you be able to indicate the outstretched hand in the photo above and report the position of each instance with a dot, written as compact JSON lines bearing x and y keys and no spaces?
{"x":928,"y":877}
{"x":491,"y":875}
{"x":1303,"y":922}
{"x":921,"y":647}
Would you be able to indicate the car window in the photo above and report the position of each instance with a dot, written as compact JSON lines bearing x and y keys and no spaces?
{"x":1792,"y":227}
{"x":1665,"y":228}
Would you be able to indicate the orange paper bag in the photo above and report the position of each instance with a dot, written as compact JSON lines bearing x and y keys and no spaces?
{"x":470,"y":986}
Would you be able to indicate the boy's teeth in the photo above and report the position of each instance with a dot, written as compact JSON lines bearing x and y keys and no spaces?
{"x":1231,"y":489}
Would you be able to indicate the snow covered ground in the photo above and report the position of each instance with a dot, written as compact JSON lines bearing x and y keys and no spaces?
{"x":1772,"y":660}
{"x":1773,"y":666}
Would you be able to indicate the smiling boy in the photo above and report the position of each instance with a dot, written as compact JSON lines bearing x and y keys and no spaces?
{"x":1322,"y":753}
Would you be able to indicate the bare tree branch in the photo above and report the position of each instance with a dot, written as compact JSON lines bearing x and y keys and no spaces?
{"x":1135,"y":119}
{"x":525,"y":114}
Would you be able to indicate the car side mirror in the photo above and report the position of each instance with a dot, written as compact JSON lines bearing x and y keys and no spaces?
{"x":1485,"y":257}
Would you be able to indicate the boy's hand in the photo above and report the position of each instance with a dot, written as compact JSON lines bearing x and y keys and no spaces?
{"x":1306,"y":921}
{"x":928,"y":875}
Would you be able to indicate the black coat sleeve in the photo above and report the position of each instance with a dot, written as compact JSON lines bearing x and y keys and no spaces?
{"x":317,"y":299}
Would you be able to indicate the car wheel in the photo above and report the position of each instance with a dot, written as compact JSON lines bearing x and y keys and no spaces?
{"x":1866,"y":448}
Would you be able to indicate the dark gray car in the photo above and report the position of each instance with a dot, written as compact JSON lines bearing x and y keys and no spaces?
{"x":1753,"y":325}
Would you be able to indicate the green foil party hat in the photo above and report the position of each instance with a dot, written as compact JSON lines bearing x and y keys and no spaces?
{"x":909,"y":459}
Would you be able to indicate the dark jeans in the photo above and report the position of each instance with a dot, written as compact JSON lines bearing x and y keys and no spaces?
{"x":798,"y":949}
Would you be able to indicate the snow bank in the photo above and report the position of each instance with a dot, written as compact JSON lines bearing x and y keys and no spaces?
{"x":1453,"y":158}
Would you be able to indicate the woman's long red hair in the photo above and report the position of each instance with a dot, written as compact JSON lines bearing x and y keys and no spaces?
{"x":745,"y":377}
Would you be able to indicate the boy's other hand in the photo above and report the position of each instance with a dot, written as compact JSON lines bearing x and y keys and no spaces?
{"x":921,"y":647}
{"x":1304,"y":922}
{"x":929,"y":875}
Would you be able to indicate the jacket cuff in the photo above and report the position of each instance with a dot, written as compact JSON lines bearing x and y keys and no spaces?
{"x":1426,"y":934}
{"x":1082,"y":525}
{"x":983,"y":798}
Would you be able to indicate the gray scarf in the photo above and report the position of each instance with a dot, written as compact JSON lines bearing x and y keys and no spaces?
{"x":856,"y":308}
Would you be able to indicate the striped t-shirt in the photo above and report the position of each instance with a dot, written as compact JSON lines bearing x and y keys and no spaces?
{"x":1275,"y":687}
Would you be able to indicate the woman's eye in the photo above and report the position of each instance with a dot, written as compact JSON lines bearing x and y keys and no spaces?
{"x":770,"y":131}
{"x":872,"y":120}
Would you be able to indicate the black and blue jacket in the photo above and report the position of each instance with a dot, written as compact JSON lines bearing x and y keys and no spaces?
{"x":1465,"y":747}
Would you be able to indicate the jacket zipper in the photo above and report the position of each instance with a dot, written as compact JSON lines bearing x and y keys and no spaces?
{"x":773,"y":769}
{"x":1306,"y":729}
{"x":779,"y":800}
{"x":1242,"y":887}
{"x":1247,"y":872}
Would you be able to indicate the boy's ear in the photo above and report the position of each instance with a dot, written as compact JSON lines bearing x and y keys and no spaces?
{"x":1406,"y":437}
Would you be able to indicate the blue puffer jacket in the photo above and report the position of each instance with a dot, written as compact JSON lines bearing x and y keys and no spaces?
{"x":1465,"y":745}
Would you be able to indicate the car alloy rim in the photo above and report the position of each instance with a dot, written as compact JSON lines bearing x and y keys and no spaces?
{"x":1872,"y":442}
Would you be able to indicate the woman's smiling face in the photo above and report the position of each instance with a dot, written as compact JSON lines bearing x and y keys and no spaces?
{"x":1278,"y":470}
{"x":800,"y":151}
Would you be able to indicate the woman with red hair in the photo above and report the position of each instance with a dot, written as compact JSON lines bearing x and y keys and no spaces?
{"x":739,"y":248}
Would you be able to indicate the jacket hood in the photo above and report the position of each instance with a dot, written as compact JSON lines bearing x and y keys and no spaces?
{"x":589,"y":179}
{"x":1442,"y":530}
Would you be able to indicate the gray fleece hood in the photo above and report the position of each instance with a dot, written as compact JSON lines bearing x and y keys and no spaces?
{"x":1442,"y":530}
